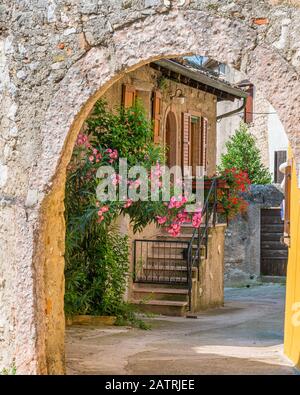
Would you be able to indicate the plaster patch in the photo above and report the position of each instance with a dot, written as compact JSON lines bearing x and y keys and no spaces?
{"x":3,"y":175}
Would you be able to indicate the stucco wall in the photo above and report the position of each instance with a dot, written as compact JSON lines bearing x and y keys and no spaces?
{"x":266,"y":126}
{"x":57,"y":58}
{"x":208,"y":286}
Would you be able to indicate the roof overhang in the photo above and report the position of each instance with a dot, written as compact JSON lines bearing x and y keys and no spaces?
{"x":184,"y":75}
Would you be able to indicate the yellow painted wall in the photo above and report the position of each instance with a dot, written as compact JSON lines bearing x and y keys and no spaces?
{"x":292,"y":313}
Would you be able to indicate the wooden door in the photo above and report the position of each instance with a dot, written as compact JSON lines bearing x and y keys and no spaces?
{"x":274,"y":254}
{"x":171,"y":139}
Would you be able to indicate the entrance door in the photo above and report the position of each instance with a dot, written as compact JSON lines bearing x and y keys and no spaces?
{"x":171,"y":139}
{"x":274,"y":255}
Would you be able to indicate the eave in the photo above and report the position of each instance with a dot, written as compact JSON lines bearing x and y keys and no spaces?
{"x":181,"y":74}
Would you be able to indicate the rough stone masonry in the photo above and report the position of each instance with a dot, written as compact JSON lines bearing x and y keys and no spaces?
{"x":56,"y":58}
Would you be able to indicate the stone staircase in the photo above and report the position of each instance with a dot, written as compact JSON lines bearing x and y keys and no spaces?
{"x":162,"y":283}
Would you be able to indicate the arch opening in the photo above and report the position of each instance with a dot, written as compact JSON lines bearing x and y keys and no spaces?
{"x":102,"y":71}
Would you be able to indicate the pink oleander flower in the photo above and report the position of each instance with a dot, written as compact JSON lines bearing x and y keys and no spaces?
{"x":109,"y":151}
{"x":134,"y":184}
{"x":161,"y":220}
{"x":91,"y":158}
{"x":116,"y":178}
{"x":182,"y":217}
{"x":114,"y":154}
{"x":100,"y":219}
{"x":174,"y":229}
{"x":82,"y":139}
{"x":197,"y":219}
{"x":104,"y":209}
{"x":128,"y":203}
{"x":172,"y":202}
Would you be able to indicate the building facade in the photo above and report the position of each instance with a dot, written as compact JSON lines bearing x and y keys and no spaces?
{"x":181,"y":101}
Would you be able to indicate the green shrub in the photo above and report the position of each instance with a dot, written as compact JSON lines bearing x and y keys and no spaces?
{"x":12,"y":371}
{"x":243,"y":154}
{"x":96,"y":257}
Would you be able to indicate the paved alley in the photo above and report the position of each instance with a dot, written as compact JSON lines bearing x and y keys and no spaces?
{"x":244,"y":337}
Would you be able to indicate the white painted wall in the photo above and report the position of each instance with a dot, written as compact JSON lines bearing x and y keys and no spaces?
{"x":267,"y":128}
{"x":276,"y":135}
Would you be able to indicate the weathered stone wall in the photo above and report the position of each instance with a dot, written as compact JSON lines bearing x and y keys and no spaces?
{"x":56,"y":59}
{"x":242,"y":241}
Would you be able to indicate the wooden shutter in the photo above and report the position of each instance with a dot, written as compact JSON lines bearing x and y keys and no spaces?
{"x":248,"y":115}
{"x":128,"y":96}
{"x":186,"y":126}
{"x":279,"y":158}
{"x":204,"y":132}
{"x":287,"y":200}
{"x":156,"y":115}
{"x":195,"y":143}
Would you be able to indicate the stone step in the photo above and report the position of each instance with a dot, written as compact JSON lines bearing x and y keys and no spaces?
{"x":183,"y":237}
{"x":172,"y":246}
{"x":153,"y":272}
{"x":151,"y":293}
{"x":142,"y":285}
{"x":163,"y":279}
{"x":152,"y":256}
{"x":164,"y":307}
{"x":165,"y":267}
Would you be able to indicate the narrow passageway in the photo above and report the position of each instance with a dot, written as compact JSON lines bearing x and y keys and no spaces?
{"x":244,"y":337}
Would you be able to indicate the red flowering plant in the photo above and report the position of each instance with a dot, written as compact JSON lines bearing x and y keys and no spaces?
{"x":230,"y":199}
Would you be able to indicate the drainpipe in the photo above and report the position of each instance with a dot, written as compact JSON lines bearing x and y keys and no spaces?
{"x":233,"y":112}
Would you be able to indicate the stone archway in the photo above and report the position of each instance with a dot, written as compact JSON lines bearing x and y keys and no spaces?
{"x":182,"y":32}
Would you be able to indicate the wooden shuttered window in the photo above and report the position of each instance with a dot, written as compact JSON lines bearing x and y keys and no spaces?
{"x":204,"y":137}
{"x":248,"y":114}
{"x":195,"y":143}
{"x":156,"y":115}
{"x":186,"y":129}
{"x":128,"y":96}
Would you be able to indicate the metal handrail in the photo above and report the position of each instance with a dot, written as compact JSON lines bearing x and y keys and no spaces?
{"x":201,"y":232}
{"x":151,"y":273}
